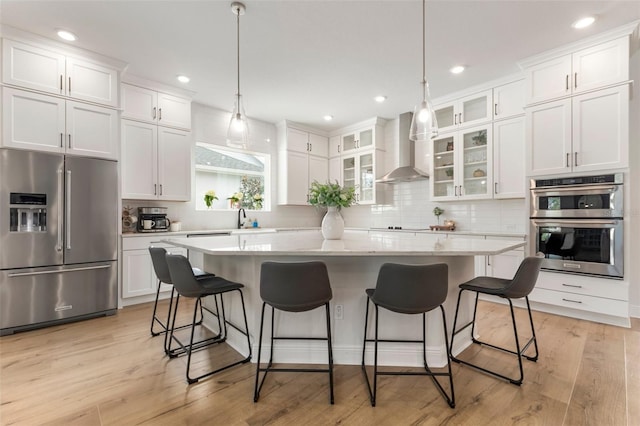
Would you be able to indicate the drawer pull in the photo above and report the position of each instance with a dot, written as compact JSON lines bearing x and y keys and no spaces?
{"x":572,"y":301}
{"x":571,"y":285}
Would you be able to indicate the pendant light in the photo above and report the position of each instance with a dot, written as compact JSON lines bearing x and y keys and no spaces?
{"x":238,"y":131}
{"x":424,"y":124}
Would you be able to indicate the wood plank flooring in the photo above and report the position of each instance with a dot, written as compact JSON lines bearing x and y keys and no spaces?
{"x":110,"y":371}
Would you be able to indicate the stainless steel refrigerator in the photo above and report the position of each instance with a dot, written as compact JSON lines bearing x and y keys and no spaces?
{"x":58,"y":239}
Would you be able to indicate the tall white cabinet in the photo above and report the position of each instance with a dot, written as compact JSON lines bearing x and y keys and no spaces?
{"x":578,"y":113}
{"x":156,"y":157}
{"x":72,"y":99}
{"x":302,"y":159}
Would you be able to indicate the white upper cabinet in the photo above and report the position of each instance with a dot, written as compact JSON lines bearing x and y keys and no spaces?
{"x":49,"y":71}
{"x":508,"y":158}
{"x":467,"y":111}
{"x":585,"y":133}
{"x":142,"y":104}
{"x":335,"y":146}
{"x":64,"y":126}
{"x":302,"y":158}
{"x":363,"y":138}
{"x":508,"y":100}
{"x":156,"y":162}
{"x":586,"y":69}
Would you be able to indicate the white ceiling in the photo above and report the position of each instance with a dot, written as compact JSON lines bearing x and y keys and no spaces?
{"x":301,"y":60}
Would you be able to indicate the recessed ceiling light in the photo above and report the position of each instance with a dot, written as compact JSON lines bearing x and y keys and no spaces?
{"x":380,"y":99}
{"x":328,"y":117}
{"x":457,"y":69}
{"x":583,"y":22}
{"x":183,"y":79}
{"x":67,"y":35}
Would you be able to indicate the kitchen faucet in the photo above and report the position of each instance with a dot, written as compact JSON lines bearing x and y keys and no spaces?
{"x":244,"y":214}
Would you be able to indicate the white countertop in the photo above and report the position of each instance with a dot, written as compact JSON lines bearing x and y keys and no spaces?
{"x":353,"y":243}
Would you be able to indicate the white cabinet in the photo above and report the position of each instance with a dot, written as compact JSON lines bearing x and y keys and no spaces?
{"x":360,"y":139}
{"x":584,"y":133}
{"x":142,"y":104}
{"x":45,"y":70}
{"x":462,"y":165}
{"x":63,"y":126}
{"x":335,"y":162}
{"x":335,"y":146}
{"x":156,"y":162}
{"x":359,"y":172}
{"x":508,"y":100}
{"x":509,"y":158}
{"x":302,"y":159}
{"x":467,"y":111}
{"x":138,"y":275}
{"x":587,"y":69}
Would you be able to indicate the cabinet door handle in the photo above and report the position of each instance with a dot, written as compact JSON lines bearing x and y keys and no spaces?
{"x":461,"y":190}
{"x":568,"y":156}
{"x":61,"y":140}
{"x":575,"y":158}
{"x":160,"y":189}
{"x":566,"y":82}
{"x":495,"y":109}
{"x":69,"y":88}
{"x":571,"y":285}
{"x":159,"y":113}
{"x":455,"y":119}
{"x":572,"y":301}
{"x":310,"y":147}
{"x":488,"y":260}
{"x":338,"y":149}
{"x":69,"y":140}
{"x":575,"y":80}
{"x":155,"y":189}
{"x":154,"y":112}
{"x":61,"y":88}
{"x":460,"y":118}
{"x":455,"y":190}
{"x":495,"y":188}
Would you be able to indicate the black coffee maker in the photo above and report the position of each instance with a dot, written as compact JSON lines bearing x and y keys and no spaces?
{"x":153,"y":219}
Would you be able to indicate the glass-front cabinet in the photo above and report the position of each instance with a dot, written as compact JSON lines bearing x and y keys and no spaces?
{"x":358,"y":172}
{"x":357,"y":140}
{"x":462,"y":165}
{"x":467,"y":111}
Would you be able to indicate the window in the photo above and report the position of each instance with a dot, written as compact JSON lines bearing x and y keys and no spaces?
{"x":238,"y":178}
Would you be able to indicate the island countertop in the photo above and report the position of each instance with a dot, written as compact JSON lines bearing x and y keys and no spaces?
{"x":353,"y":243}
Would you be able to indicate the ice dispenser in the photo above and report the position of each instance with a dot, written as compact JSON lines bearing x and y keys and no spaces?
{"x":27,"y":212}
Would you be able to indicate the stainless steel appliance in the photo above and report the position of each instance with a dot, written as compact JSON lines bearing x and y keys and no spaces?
{"x":153,"y":219}
{"x":578,"y":223}
{"x":58,"y":239}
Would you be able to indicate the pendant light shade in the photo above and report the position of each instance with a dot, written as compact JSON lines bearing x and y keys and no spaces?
{"x":424,"y":124}
{"x":238,"y":130}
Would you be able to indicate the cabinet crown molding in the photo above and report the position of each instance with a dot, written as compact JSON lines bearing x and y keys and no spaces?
{"x":154,"y":85}
{"x":623,"y":31}
{"x":375,"y":121}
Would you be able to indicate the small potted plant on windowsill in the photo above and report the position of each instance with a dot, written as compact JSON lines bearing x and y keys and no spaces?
{"x":234,"y":200}
{"x":209,"y":196}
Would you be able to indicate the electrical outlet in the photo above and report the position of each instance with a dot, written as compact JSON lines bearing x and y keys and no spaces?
{"x":339,"y":312}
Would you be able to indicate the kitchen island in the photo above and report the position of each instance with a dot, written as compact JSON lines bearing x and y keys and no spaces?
{"x":353,"y":263}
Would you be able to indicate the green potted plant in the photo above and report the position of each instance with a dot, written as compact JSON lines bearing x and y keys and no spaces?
{"x":334,"y":197}
{"x":437,"y":211}
{"x":209,"y":196}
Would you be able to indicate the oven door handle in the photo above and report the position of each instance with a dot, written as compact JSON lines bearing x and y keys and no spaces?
{"x":575,"y":222}
{"x":576,"y":190}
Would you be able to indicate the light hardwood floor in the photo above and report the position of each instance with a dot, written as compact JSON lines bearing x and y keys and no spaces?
{"x":109,"y":371}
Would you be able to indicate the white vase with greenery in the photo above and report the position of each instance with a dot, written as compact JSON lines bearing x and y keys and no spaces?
{"x":334,"y":197}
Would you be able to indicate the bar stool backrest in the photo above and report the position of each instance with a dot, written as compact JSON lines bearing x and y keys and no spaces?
{"x":182,"y":276}
{"x":295,"y":287}
{"x":160,"y":264}
{"x":411,"y":289}
{"x":525,"y":278}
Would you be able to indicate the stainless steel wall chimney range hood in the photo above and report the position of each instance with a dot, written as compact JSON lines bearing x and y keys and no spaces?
{"x":406,"y":172}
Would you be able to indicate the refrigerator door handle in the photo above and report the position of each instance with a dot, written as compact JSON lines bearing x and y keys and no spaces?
{"x":68,"y":212}
{"x":57,"y":271}
{"x":60,"y":212}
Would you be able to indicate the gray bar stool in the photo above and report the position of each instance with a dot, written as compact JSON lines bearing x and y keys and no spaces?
{"x":408,"y":289}
{"x":520,"y":286}
{"x":189,"y":285}
{"x":161,"y":269}
{"x":293,"y":287}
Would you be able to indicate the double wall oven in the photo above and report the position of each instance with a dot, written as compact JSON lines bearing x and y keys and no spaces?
{"x":578,"y":224}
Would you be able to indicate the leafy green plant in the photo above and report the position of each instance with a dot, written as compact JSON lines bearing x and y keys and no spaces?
{"x":437,"y":211}
{"x":209,"y":196}
{"x":331,"y":195}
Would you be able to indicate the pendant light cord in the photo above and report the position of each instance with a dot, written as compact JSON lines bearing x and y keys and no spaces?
{"x":238,"y":45}
{"x":424,"y":72}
